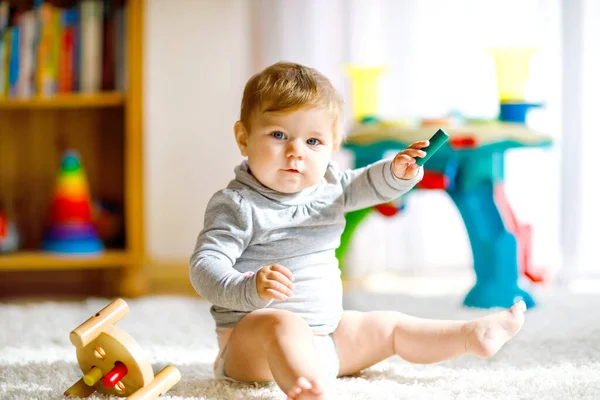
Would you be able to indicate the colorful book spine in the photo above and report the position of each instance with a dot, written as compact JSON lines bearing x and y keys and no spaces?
{"x":91,"y":46}
{"x":4,"y":11}
{"x":67,"y":55}
{"x":25,"y":81}
{"x":108,"y":47}
{"x":6,"y":40}
{"x":13,"y":69}
{"x":44,"y":82}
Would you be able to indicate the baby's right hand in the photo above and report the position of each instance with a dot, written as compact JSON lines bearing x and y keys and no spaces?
{"x":274,"y":282}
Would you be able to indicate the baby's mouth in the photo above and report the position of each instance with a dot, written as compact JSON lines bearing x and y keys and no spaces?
{"x":292,"y":170}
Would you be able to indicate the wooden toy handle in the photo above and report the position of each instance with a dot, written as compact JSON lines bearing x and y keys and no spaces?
{"x":90,"y":329}
{"x":162,"y":382}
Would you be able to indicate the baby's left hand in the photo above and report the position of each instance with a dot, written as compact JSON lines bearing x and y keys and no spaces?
{"x":404,"y":164}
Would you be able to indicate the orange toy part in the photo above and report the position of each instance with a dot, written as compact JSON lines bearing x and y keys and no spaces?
{"x":437,"y":122}
{"x":124,"y":367}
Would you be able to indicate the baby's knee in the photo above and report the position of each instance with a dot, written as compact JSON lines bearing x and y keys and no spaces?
{"x":277,"y":322}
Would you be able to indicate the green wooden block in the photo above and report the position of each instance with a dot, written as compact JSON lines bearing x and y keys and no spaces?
{"x":436,"y":141}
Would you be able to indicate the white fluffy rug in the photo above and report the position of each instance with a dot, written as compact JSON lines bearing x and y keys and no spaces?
{"x":555,"y":356}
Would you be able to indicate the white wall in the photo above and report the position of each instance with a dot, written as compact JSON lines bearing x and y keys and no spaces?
{"x":197,"y":62}
{"x":435,"y":51}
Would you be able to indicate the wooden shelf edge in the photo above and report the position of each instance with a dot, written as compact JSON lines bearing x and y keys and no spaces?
{"x":32,"y":260}
{"x":71,"y":100}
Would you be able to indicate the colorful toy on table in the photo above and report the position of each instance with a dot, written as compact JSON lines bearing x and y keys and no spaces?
{"x":113,"y":363}
{"x":512,"y":74}
{"x":71,"y":229}
{"x":469,"y":166}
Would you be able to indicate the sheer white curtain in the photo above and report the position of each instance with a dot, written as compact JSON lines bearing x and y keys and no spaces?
{"x":435,"y":51}
{"x":580,"y":197}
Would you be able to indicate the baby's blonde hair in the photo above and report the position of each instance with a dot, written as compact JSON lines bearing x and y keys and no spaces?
{"x":287,"y":86}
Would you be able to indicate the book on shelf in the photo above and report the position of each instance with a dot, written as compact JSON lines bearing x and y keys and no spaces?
{"x":49,"y":50}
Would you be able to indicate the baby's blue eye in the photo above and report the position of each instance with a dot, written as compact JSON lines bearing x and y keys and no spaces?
{"x":278,"y":135}
{"x":313,"y":142}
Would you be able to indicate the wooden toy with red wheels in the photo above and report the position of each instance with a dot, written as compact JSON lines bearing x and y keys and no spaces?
{"x":113,"y":363}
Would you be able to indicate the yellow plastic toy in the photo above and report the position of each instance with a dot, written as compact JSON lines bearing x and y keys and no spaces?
{"x":364,"y":89}
{"x":113,"y":363}
{"x":512,"y":71}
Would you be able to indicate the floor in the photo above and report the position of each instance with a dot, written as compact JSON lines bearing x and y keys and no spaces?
{"x":555,"y":356}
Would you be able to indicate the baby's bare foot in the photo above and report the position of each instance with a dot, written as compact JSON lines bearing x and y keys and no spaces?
{"x":306,"y":390}
{"x":485,"y":336}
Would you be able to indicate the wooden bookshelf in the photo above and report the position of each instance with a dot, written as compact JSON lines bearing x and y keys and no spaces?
{"x":40,"y":260}
{"x":106,"y":128}
{"x":75,"y":100}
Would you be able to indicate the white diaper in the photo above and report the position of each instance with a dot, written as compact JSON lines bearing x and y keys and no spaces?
{"x":324,"y":346}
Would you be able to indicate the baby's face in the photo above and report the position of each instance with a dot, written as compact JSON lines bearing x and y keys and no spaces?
{"x":290,"y":151}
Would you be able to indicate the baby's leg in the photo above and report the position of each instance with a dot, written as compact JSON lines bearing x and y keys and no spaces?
{"x":275,"y":345}
{"x":364,"y":339}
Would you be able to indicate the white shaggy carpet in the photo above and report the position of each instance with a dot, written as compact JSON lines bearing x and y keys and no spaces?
{"x":555,"y":356}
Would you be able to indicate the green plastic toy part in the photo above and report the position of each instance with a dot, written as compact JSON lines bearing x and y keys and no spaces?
{"x":436,"y":141}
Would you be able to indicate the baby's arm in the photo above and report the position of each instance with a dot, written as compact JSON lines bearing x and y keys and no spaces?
{"x":374,"y":184}
{"x":227,"y":231}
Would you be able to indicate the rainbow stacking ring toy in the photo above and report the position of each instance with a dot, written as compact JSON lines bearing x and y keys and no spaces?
{"x":71,"y":230}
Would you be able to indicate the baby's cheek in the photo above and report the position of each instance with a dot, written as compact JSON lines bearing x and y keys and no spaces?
{"x":323,"y":166}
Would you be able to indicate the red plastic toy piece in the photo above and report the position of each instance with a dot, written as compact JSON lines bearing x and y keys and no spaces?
{"x":75,"y":209}
{"x":3,"y":226}
{"x":114,"y":375}
{"x":387,"y":209}
{"x":522,"y":234}
{"x":463,"y":142}
{"x":433,"y":180}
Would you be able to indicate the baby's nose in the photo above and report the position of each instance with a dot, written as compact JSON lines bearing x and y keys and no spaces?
{"x":294,"y":150}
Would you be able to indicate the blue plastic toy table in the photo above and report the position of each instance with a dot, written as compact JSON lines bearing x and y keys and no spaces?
{"x":470,"y":168}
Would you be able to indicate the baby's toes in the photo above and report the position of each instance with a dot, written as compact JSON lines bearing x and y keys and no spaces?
{"x":301,"y":385}
{"x":316,"y":388}
{"x":519,"y":307}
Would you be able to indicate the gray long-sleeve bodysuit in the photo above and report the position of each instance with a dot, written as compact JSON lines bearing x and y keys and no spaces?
{"x":248,"y":226}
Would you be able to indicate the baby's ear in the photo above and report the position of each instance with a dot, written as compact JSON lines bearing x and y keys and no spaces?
{"x":241,"y":137}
